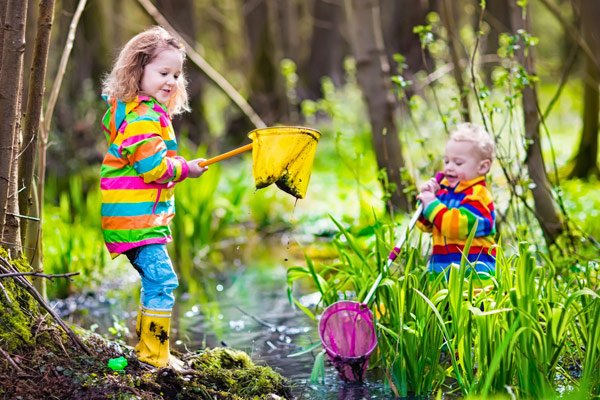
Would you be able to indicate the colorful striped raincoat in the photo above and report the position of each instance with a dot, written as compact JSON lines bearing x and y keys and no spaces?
{"x":138,"y":174}
{"x":452,"y":216}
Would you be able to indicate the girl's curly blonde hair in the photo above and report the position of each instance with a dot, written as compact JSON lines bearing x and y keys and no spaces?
{"x":123,"y":82}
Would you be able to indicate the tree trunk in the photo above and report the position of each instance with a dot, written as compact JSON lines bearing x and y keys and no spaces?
{"x":449,"y":20}
{"x":373,"y":74}
{"x":11,"y":75}
{"x":587,"y":153}
{"x":327,"y":48}
{"x":497,"y":16}
{"x":399,"y":17}
{"x":34,"y":107}
{"x":265,"y":83}
{"x":542,"y":192}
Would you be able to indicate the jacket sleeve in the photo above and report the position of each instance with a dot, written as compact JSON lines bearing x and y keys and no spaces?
{"x":423,"y":224}
{"x":476,"y":209}
{"x":146,"y":151}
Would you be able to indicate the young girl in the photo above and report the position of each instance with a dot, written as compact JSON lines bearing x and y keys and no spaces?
{"x":140,"y":169}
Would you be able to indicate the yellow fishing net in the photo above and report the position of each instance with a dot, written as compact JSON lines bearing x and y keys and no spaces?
{"x":284,"y":155}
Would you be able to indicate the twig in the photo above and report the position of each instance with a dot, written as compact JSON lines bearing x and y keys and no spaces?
{"x":24,"y":283}
{"x":11,"y":361}
{"x":260,"y":321}
{"x":23,"y":216}
{"x":39,"y":275}
{"x":5,"y":293}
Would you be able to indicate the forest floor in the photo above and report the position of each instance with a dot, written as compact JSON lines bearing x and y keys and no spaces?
{"x":56,"y":368}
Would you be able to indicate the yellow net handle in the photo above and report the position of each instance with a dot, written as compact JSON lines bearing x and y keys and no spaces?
{"x":224,"y":156}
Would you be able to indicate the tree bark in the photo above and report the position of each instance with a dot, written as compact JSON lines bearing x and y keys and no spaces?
{"x":34,"y":107}
{"x":587,"y":152}
{"x":11,"y":75}
{"x":546,"y":213}
{"x":3,"y":11}
{"x":373,"y":74}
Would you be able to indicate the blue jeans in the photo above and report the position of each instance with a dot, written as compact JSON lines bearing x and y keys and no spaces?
{"x":158,"y":277}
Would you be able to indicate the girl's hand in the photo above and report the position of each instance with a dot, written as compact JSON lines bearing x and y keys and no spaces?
{"x":195,"y":170}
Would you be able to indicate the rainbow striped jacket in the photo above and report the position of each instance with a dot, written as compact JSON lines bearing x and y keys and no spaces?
{"x":452,"y":216}
{"x":138,"y":174}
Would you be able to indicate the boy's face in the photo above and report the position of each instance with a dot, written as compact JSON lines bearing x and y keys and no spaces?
{"x":462,"y":162}
{"x":160,"y":76}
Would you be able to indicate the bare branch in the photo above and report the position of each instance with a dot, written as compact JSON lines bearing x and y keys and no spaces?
{"x":62,"y":67}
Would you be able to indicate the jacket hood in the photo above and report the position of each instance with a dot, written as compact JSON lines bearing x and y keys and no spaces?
{"x":117,"y":112}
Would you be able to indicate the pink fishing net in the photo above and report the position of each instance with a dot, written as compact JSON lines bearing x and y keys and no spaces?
{"x":348,"y":336}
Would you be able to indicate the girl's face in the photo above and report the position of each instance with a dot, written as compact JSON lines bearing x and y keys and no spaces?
{"x":160,"y":76}
{"x":462,"y":162}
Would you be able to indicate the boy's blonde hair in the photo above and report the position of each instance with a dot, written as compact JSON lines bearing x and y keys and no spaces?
{"x":123,"y":82}
{"x":468,"y":132}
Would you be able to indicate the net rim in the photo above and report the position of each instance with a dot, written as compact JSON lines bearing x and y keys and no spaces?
{"x":370,"y":323}
{"x":285,"y":129}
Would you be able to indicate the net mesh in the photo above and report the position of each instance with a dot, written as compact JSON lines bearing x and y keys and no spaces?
{"x":348,"y":335}
{"x":284,"y":155}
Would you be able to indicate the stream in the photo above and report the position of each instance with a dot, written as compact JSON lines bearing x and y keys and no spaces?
{"x":244,"y":307}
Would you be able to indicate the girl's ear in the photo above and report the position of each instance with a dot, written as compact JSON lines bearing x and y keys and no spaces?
{"x":484,"y":167}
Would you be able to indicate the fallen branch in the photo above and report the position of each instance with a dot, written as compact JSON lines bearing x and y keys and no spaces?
{"x":18,"y":277}
{"x":11,"y":361}
{"x":39,"y":275}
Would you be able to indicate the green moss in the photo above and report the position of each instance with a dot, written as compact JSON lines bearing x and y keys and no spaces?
{"x":17,"y":309}
{"x":234,"y":372}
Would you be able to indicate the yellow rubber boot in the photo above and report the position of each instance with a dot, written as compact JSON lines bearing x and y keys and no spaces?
{"x":153,"y":347}
{"x":138,"y":323}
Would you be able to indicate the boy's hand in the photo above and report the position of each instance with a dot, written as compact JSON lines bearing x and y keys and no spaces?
{"x":431,"y":185}
{"x":428,"y":190}
{"x":426,"y":197}
{"x":195,"y":170}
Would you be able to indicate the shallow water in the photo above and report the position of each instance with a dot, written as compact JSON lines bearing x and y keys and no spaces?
{"x":245,"y":308}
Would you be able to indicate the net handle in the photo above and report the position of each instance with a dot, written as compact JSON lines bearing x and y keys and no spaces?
{"x":224,"y":156}
{"x":396,"y":250}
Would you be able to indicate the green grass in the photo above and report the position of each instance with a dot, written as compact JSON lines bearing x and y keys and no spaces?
{"x":525,"y":334}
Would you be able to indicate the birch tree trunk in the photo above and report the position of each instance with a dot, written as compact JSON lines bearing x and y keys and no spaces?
{"x":11,"y":75}
{"x":545,"y":210}
{"x":373,"y":74}
{"x":587,"y":153}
